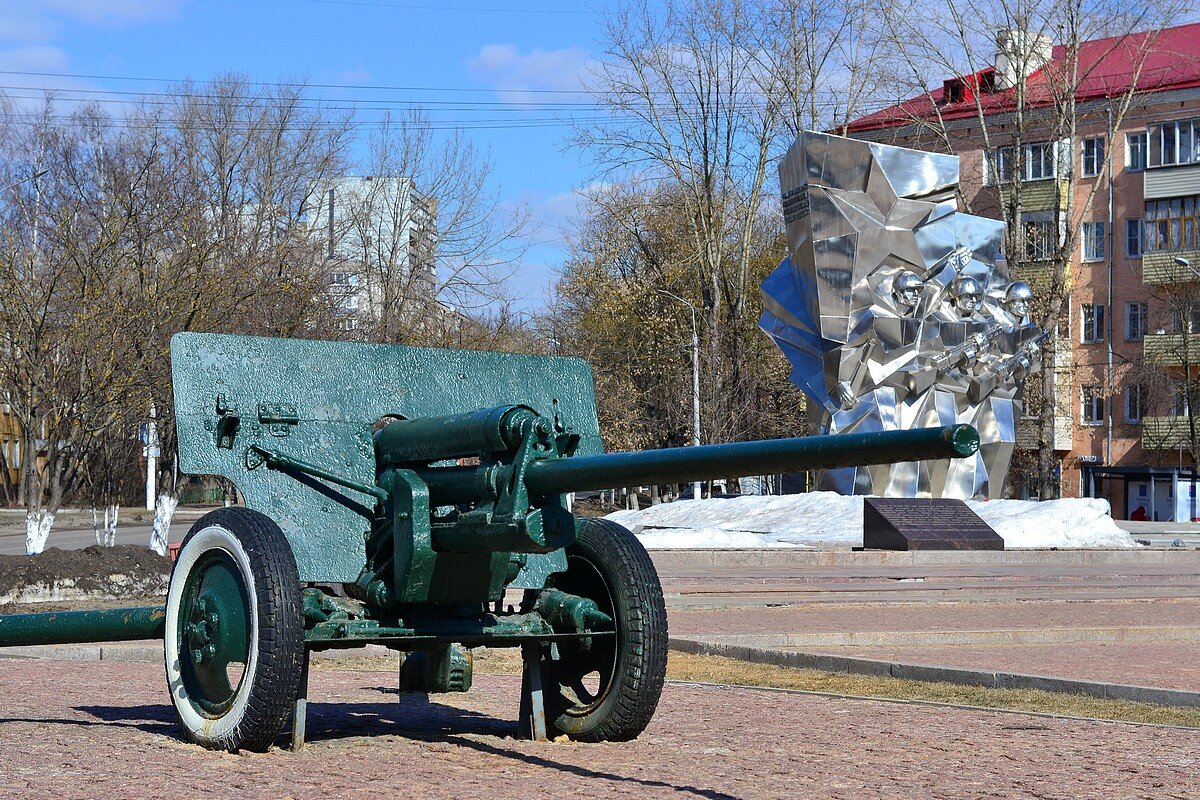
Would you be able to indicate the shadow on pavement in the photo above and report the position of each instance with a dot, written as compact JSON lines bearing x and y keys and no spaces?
{"x":413,"y":717}
{"x":585,"y":772}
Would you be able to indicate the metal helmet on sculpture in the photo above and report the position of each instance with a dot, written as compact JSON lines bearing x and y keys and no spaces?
{"x":897,"y":311}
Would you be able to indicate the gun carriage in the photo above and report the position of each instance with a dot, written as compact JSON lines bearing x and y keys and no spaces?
{"x":416,"y":498}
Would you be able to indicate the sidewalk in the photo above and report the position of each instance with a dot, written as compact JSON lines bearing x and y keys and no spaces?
{"x":1129,"y":618}
{"x":108,"y":730}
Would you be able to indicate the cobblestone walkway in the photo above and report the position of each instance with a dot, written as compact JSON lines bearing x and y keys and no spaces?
{"x":106,"y":730}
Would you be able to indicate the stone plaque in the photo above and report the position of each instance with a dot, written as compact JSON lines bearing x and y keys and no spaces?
{"x":902,"y":523}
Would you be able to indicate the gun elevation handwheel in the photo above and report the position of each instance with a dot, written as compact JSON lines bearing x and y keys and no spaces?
{"x":234,"y":640}
{"x":606,"y":688}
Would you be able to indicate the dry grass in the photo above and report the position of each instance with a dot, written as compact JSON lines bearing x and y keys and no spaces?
{"x":716,"y":669}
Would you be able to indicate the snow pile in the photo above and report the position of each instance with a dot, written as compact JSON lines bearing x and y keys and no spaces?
{"x":827,"y":519}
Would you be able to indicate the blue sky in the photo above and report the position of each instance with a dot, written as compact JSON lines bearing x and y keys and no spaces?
{"x":442,"y":50}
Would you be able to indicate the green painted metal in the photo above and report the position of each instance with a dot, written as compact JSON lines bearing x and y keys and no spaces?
{"x":66,"y":627}
{"x":213,"y":631}
{"x":447,"y":668}
{"x":335,"y":392}
{"x":685,"y":464}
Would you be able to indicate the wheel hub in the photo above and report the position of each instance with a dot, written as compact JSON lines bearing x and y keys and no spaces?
{"x":214,"y":633}
{"x":202,"y":630}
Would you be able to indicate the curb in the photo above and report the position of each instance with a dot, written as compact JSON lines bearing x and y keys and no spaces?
{"x":667,"y":560}
{"x":939,"y":638}
{"x":934,"y":673}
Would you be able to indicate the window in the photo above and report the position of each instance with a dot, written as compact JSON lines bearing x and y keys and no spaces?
{"x":1188,"y":312}
{"x":1175,"y":143}
{"x":1179,"y":403}
{"x":1135,"y":401}
{"x":1000,"y":165}
{"x":1092,"y":412}
{"x":1093,"y":241}
{"x":1093,"y":323}
{"x":1133,"y":238}
{"x":1135,"y":151}
{"x":1093,"y":156}
{"x":1038,"y":161}
{"x":1172,"y":224}
{"x":1136,"y":316}
{"x":1039,"y":239}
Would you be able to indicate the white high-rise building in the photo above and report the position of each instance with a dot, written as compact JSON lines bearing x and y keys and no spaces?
{"x":380,"y":235}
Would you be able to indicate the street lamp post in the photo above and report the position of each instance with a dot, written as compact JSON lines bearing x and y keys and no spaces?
{"x":36,"y":174}
{"x":695,"y":378}
{"x":1187,"y":382}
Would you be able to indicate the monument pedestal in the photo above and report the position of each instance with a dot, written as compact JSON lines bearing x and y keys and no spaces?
{"x":902,"y":523}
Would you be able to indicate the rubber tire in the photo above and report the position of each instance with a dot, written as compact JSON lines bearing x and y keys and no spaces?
{"x":641,"y":658}
{"x":274,"y":670}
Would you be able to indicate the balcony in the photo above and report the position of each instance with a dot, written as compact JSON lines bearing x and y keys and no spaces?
{"x":1043,"y":195}
{"x":1171,"y":181}
{"x":1166,"y":433}
{"x":1027,"y":433}
{"x":1159,"y":267}
{"x":1172,"y":349}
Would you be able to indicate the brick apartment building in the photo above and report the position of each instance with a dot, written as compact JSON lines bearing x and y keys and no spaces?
{"x":1131,"y":333}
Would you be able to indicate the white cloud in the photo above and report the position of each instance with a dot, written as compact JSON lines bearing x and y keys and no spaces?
{"x":43,"y":20}
{"x":18,"y":24}
{"x":34,"y":58}
{"x":32,"y":28}
{"x":505,"y":67}
{"x":37,"y":58}
{"x":354,"y":76}
{"x":552,"y":217}
{"x":110,"y":12}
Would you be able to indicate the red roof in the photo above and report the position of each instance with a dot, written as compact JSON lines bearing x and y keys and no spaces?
{"x":1169,"y":59}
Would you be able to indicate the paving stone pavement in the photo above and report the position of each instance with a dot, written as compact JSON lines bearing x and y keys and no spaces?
{"x":106,"y":730}
{"x":1128,"y":617}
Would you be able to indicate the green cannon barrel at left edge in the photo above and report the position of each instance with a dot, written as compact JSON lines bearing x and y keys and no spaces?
{"x":68,"y":627}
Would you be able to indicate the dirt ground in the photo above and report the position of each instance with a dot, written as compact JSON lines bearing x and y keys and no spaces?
{"x":90,"y":568}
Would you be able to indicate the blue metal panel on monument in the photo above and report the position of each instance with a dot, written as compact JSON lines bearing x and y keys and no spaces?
{"x":894,"y":523}
{"x":315,"y":402}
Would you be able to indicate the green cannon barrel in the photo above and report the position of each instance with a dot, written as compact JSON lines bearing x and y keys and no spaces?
{"x":686,"y":464}
{"x":407,"y":441}
{"x":65,"y":627}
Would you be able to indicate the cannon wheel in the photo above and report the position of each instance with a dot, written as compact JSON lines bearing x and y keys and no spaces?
{"x":234,"y":640}
{"x":606,"y":689}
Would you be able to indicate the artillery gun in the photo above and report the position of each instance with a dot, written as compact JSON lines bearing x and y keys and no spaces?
{"x":415,"y":498}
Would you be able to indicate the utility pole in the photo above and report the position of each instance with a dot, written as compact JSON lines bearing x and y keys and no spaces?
{"x":695,"y":379}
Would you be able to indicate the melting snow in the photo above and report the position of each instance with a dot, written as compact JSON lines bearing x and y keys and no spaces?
{"x":827,"y":519}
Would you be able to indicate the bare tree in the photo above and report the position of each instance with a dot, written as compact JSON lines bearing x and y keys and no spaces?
{"x":188,"y":217}
{"x":695,"y":111}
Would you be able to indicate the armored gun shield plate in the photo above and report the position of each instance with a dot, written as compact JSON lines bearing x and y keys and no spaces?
{"x":317,"y":401}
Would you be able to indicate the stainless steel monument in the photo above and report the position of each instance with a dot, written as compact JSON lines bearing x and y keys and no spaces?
{"x":896,"y":311}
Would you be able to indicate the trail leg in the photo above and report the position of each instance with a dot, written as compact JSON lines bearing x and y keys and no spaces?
{"x":532,"y":720}
{"x":300,"y":710}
